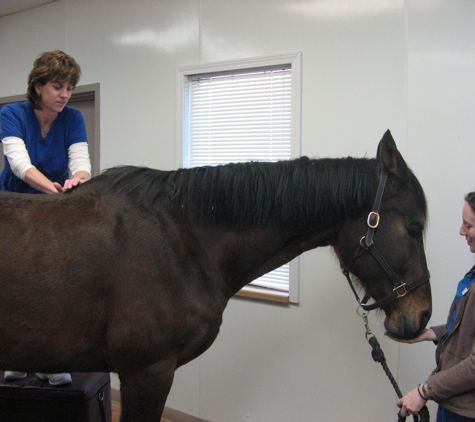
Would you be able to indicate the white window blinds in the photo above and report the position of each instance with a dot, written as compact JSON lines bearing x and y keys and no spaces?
{"x":240,"y":116}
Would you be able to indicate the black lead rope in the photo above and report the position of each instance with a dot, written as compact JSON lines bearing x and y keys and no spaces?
{"x":378,"y":356}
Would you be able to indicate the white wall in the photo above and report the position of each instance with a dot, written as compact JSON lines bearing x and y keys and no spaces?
{"x":368,"y":65}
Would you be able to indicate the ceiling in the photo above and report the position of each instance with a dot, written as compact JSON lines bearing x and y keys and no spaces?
{"x":7,"y":7}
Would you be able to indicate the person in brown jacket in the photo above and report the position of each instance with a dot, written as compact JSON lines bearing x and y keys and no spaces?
{"x":452,"y":383}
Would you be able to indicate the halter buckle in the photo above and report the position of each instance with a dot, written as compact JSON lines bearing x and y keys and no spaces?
{"x":373,"y":220}
{"x":401,"y":290}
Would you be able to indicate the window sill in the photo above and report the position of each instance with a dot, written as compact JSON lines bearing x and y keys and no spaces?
{"x":261,"y":293}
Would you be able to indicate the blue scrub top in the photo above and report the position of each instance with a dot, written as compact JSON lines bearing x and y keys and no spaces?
{"x":48,"y":155}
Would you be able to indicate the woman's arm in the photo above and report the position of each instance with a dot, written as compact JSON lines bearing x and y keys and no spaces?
{"x":414,"y":401}
{"x":79,"y":165}
{"x":40,"y":182}
{"x":15,"y":150}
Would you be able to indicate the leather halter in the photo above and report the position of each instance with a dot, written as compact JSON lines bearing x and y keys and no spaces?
{"x":367,"y":245}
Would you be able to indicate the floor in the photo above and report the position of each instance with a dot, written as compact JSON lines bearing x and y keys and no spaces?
{"x":116,"y":412}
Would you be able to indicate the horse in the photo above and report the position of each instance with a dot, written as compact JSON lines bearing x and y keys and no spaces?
{"x":131,"y":271}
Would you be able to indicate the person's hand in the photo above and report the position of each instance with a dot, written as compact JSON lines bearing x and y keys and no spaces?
{"x":411,"y":403}
{"x":72,"y":183}
{"x":427,"y":335}
{"x":58,"y":187}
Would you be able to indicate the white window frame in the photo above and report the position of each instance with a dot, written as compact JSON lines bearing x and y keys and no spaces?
{"x":295,"y":61}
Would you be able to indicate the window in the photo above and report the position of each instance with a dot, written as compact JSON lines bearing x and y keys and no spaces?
{"x":240,"y":111}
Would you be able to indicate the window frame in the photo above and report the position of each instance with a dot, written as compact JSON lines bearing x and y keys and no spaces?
{"x":295,"y":61}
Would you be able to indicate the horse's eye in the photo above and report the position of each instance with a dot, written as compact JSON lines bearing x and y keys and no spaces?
{"x":415,"y":231}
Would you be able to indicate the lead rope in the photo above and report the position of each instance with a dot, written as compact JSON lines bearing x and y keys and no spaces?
{"x":378,"y":356}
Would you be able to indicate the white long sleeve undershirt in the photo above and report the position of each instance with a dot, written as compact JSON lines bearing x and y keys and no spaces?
{"x":79,"y":158}
{"x":15,"y":150}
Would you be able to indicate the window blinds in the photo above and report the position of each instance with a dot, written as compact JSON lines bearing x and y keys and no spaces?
{"x":241,"y":116}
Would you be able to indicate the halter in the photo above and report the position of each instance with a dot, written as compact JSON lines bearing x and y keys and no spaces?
{"x":367,"y":245}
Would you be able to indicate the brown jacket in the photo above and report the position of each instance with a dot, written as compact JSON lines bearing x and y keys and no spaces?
{"x":452,"y":384}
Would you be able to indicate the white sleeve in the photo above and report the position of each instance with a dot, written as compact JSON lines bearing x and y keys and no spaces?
{"x":79,"y":158}
{"x":15,"y":150}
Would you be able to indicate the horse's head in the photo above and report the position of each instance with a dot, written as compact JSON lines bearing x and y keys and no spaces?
{"x":384,"y":248}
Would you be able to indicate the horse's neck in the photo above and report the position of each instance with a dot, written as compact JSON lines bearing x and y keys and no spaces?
{"x":253,"y":219}
{"x":242,"y":256}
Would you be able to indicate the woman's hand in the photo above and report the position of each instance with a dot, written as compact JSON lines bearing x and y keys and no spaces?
{"x":78,"y":179}
{"x":71,"y":183}
{"x":58,"y":187}
{"x":427,"y":335}
{"x":411,"y":403}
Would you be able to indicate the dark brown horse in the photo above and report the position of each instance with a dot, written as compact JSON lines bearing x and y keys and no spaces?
{"x":131,"y":272}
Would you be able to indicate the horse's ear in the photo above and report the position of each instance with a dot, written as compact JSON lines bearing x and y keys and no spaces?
{"x":389,"y":156}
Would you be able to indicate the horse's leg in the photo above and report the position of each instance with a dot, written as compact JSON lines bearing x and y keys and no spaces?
{"x":144,"y":392}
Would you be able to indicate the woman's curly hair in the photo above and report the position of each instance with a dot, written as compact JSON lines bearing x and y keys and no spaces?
{"x":51,"y":66}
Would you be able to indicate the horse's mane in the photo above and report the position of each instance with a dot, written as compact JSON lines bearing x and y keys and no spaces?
{"x":241,"y":195}
{"x":254,"y":193}
{"x":300,"y":190}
